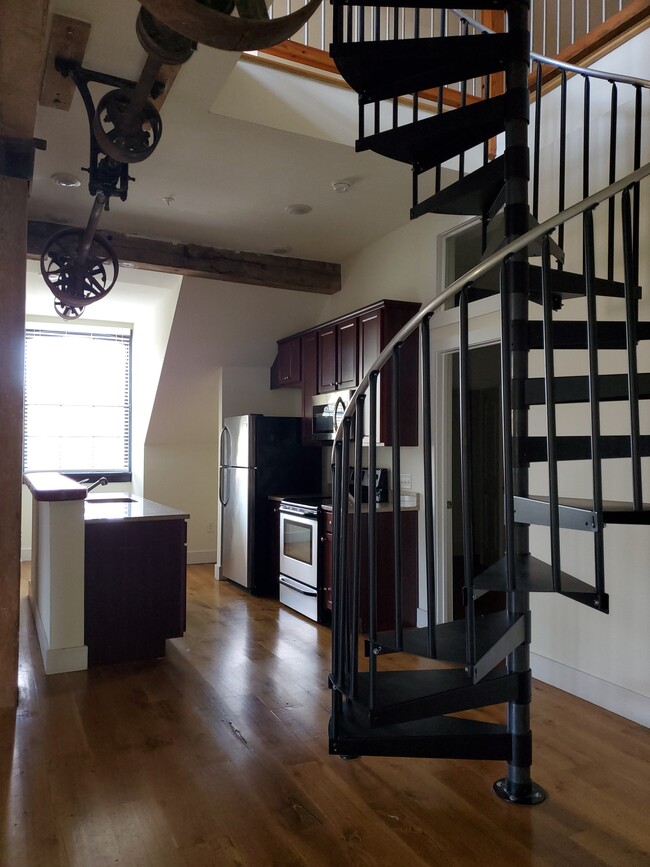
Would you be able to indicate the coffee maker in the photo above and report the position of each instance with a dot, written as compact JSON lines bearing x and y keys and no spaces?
{"x":379,"y":488}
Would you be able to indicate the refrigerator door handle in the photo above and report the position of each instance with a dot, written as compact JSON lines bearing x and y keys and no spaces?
{"x":224,"y":456}
{"x":222,"y":482}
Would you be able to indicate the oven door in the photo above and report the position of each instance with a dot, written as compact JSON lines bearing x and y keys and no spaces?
{"x":299,"y":547}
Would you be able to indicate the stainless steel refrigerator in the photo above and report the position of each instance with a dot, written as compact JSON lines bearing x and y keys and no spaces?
{"x":259,"y":456}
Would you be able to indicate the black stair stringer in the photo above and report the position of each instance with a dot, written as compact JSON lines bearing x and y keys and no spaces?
{"x":573,"y":335}
{"x":575,"y":389}
{"x":350,"y":734}
{"x":405,"y":696}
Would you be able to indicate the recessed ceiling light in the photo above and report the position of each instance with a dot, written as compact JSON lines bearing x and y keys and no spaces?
{"x":66,"y":180}
{"x":341,"y":186}
{"x":298,"y":210}
{"x":168,"y":200}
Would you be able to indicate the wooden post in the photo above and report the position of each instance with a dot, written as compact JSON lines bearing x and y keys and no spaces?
{"x":22,"y":48}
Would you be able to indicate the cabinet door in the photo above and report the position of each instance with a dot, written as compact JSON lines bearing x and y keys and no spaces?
{"x":327,"y":360}
{"x":286,"y":367}
{"x":346,"y":354}
{"x":309,"y":363}
{"x":369,"y":340}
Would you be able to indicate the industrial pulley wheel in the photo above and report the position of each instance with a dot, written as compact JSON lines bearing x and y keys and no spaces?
{"x":73,"y":279}
{"x":210,"y":22}
{"x":121,"y":137}
{"x":65,"y":311}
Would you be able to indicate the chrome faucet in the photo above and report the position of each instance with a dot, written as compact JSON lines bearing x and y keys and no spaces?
{"x":101,"y":481}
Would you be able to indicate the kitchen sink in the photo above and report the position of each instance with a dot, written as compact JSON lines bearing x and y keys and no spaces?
{"x":110,"y":498}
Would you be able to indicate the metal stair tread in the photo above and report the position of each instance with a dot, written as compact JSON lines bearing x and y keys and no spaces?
{"x":575,"y":389}
{"x":471,"y":195}
{"x":450,"y":637}
{"x":613,"y":511}
{"x":532,"y":575}
{"x":578,"y":448}
{"x":388,"y":68}
{"x":434,"y":140}
{"x":573,"y":334}
{"x":564,"y":284}
{"x":434,"y":737}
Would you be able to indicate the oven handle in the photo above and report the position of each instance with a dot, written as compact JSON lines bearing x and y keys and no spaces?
{"x":288,"y":582}
{"x":299,"y":513}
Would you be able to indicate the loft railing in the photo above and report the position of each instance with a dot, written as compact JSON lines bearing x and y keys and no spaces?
{"x":359,"y":429}
{"x":570,"y":30}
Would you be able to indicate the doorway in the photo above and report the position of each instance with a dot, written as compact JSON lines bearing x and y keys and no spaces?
{"x":487,"y":474}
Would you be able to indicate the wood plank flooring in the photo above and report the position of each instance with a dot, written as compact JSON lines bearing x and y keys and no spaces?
{"x":217,"y":755}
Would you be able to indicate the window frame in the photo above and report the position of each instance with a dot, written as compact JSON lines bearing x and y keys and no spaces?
{"x":125,"y":334}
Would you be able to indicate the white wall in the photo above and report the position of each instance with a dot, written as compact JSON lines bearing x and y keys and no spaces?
{"x":221,"y":347}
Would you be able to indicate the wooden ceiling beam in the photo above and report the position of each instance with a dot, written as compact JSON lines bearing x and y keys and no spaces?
{"x":193,"y":260}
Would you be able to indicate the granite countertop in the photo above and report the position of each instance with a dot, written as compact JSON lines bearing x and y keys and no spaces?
{"x":122,"y":506}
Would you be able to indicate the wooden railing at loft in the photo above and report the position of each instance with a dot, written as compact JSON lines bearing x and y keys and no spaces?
{"x":569,"y":30}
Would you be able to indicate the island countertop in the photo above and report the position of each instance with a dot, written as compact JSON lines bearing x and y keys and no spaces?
{"x":122,"y":506}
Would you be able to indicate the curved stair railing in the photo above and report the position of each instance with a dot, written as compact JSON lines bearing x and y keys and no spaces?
{"x":395,"y":684}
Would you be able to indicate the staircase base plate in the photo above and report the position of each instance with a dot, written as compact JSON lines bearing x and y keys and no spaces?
{"x":529,"y":795}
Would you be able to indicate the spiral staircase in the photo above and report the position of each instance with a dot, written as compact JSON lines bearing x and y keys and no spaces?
{"x":399,"y":692}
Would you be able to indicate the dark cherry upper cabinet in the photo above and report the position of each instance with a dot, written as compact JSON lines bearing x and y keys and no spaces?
{"x":286,"y":369}
{"x":336,"y":355}
{"x":309,"y":360}
{"x":327,"y":367}
{"x":377,"y":327}
{"x":338,"y":360}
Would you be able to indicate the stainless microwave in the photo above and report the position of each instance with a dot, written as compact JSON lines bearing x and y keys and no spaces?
{"x":327,"y":412}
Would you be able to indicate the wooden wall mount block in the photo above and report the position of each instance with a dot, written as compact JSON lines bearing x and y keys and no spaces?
{"x":68,"y":38}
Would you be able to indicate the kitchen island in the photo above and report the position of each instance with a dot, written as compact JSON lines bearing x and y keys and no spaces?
{"x":108,"y":574}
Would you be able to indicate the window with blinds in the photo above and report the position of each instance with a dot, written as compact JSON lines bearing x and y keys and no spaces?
{"x":77,"y":401}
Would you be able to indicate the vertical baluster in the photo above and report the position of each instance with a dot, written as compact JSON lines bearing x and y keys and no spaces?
{"x":537,"y":136}
{"x":397,"y":514}
{"x":376,"y":30}
{"x":337,"y":24}
{"x":323,"y":28}
{"x":573,"y":21}
{"x":544,"y":28}
{"x":463,"y":102}
{"x":486,"y":144}
{"x":346,"y":585}
{"x":396,"y":12}
{"x":506,"y":428}
{"x":594,"y":396}
{"x":440,"y":100}
{"x":636,"y":211}
{"x":372,"y":539}
{"x":356,"y":547}
{"x":350,"y":22}
{"x":551,"y":431}
{"x":362,"y":23}
{"x":415,"y":175}
{"x":428,"y":486}
{"x":562,"y":172}
{"x":338,"y":607}
{"x":557,"y":27}
{"x":466,"y":479}
{"x":631,"y":319}
{"x":613,"y":114}
{"x":586,"y":137}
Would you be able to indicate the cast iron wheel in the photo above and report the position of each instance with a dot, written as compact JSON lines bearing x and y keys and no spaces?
{"x":75,"y":282}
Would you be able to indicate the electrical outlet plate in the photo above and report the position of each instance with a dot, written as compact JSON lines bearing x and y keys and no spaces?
{"x":405,"y":481}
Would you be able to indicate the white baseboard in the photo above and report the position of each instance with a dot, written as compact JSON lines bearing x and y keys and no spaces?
{"x":57,"y":660}
{"x":195,"y":557}
{"x":617,"y":699}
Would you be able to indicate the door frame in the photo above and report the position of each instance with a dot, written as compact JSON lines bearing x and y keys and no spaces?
{"x":484,"y":330}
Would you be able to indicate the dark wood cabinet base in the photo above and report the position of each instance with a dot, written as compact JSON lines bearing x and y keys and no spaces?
{"x":134,"y":588}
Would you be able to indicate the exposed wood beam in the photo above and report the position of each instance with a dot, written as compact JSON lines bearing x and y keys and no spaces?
{"x":22,"y":50}
{"x":192,"y":260}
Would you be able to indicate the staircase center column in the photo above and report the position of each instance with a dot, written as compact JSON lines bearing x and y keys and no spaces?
{"x":518,"y":787}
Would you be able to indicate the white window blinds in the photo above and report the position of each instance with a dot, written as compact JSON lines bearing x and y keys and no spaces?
{"x":77,"y":401}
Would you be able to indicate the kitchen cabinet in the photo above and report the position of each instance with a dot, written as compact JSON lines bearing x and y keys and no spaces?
{"x":309,"y":364}
{"x":385,"y":554}
{"x":286,"y":369}
{"x":338,"y":356}
{"x":134,"y":588}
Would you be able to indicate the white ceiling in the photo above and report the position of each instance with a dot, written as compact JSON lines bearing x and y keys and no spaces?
{"x":240,"y":143}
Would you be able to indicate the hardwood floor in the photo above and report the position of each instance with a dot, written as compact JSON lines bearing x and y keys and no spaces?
{"x":217,"y":755}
